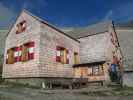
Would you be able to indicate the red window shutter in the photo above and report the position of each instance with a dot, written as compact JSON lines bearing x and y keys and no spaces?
{"x":58,"y":54}
{"x":17,"y":54}
{"x":20,"y":52}
{"x":67,"y":57}
{"x":31,"y":50}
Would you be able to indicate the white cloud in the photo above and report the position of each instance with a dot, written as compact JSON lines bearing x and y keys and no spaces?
{"x":6,"y":16}
{"x":120,"y":13}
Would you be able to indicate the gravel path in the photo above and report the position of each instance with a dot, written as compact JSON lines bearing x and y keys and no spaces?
{"x":13,"y":93}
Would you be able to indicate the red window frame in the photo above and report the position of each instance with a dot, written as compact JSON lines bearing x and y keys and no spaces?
{"x":58,"y":54}
{"x":17,"y":56}
{"x":30,"y":46}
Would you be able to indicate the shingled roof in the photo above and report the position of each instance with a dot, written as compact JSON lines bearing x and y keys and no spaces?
{"x":89,"y":30}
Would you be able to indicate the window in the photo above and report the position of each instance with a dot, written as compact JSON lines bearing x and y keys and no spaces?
{"x":96,"y":70}
{"x":76,"y":58}
{"x":10,"y":56}
{"x":22,"y":53}
{"x":20,"y":27}
{"x":62,"y":55}
{"x":27,"y":51}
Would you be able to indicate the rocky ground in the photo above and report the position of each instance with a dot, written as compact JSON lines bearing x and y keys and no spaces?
{"x":11,"y":92}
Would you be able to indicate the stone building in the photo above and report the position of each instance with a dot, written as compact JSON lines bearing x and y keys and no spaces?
{"x":38,"y":53}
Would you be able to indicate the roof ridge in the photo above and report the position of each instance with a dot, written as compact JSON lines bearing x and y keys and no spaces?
{"x":47,"y":23}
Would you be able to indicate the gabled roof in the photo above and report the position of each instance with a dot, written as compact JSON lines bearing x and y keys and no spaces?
{"x":44,"y":22}
{"x":89,"y":30}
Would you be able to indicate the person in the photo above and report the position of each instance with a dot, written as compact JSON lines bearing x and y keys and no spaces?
{"x":113,"y":72}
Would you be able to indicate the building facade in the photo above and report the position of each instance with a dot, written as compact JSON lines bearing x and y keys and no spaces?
{"x":36,"y":50}
{"x":99,"y":50}
{"x":37,"y":53}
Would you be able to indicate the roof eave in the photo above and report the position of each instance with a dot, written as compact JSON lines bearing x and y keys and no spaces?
{"x":88,"y":64}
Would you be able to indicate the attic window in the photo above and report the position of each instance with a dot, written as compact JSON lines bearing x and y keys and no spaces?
{"x":20,"y":27}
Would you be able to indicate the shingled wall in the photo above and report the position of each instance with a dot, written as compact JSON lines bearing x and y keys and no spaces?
{"x":46,"y":39}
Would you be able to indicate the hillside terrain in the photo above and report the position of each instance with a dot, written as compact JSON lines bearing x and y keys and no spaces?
{"x":3,"y":34}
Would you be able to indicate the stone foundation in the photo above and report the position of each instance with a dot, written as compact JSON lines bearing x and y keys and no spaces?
{"x":41,"y":82}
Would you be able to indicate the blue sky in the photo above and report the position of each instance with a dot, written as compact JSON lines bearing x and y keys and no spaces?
{"x":68,"y":13}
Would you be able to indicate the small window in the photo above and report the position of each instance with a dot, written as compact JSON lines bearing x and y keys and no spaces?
{"x":97,"y":70}
{"x":62,"y":55}
{"x":76,"y":58}
{"x":20,"y":27}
